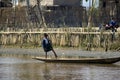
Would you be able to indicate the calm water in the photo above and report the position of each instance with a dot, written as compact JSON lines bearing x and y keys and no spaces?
{"x":18,"y":68}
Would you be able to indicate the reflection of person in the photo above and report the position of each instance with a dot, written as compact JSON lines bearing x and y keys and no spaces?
{"x":46,"y":72}
{"x":47,"y":45}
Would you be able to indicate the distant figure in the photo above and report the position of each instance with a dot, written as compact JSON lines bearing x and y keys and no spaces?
{"x":100,"y":27}
{"x":112,"y":22}
{"x":112,"y":25}
{"x":47,"y":45}
{"x":107,"y":26}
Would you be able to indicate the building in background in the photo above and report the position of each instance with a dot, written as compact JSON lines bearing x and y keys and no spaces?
{"x":27,"y":2}
{"x":65,"y":13}
{"x":109,"y":9}
{"x":56,"y":13}
{"x":6,"y":3}
{"x":59,"y":13}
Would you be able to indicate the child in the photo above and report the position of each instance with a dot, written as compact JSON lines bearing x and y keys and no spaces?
{"x":47,"y":45}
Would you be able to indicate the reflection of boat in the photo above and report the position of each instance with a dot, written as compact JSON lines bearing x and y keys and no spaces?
{"x":80,"y":60}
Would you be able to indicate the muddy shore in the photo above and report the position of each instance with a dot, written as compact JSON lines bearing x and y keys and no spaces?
{"x":61,"y":52}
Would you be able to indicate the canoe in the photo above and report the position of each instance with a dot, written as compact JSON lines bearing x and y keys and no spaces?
{"x":80,"y":60}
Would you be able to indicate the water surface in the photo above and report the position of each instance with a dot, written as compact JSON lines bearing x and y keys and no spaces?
{"x":24,"y":68}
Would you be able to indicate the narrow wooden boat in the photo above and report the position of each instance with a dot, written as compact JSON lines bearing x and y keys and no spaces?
{"x":80,"y":60}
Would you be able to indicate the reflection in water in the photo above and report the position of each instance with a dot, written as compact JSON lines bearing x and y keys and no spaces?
{"x":14,"y":68}
{"x":46,"y":73}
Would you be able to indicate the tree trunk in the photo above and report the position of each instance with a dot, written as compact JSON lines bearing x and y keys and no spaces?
{"x":90,"y":21}
{"x":41,"y":14}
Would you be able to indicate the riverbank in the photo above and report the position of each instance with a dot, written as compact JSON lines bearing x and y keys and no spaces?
{"x":84,"y":38}
{"x":61,"y":52}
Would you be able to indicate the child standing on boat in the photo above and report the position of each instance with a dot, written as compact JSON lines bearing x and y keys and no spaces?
{"x":47,"y":45}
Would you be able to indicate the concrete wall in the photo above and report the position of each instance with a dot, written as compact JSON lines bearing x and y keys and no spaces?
{"x":52,"y":2}
{"x":27,"y":2}
{"x":47,"y":2}
{"x":64,"y":16}
{"x":67,"y":2}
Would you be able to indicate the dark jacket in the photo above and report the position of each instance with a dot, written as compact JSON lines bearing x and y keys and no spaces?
{"x":47,"y":45}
